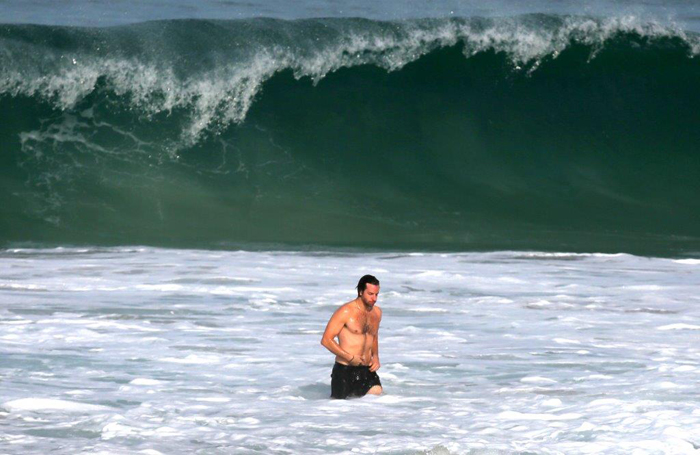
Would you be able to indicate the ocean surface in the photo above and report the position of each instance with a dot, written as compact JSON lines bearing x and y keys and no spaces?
{"x":189,"y":189}
{"x":145,"y":350}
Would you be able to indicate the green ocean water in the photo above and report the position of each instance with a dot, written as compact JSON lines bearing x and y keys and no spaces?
{"x":537,"y":132}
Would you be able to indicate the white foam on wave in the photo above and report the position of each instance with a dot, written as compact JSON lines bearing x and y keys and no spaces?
{"x":538,"y":380}
{"x":644,"y":287}
{"x":687,"y":261}
{"x":606,"y":402}
{"x":679,"y":326}
{"x":115,"y":429}
{"x":511,"y":280}
{"x":193,"y":359}
{"x":93,"y":324}
{"x":552,"y":403}
{"x":565,"y":341}
{"x":430,"y":274}
{"x":563,"y":255}
{"x":160,"y":287}
{"x":22,"y":287}
{"x":428,"y":310}
{"x":51,"y":404}
{"x":395,"y":399}
{"x":514,"y":415}
{"x":539,"y":304}
{"x":213,"y":399}
{"x":16,"y":322}
{"x":666,"y":385}
{"x":145,"y":381}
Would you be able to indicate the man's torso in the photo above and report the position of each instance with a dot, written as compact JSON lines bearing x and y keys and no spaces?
{"x":358,"y":334}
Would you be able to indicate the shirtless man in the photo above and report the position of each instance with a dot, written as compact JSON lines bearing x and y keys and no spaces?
{"x":356,"y":324}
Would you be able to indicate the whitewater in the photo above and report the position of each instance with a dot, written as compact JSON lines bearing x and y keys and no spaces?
{"x":146,"y":350}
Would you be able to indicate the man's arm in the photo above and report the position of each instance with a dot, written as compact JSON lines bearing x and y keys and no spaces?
{"x":335,"y":325}
{"x":374,"y":364}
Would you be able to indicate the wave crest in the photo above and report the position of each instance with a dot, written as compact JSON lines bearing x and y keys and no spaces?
{"x":215,"y":69}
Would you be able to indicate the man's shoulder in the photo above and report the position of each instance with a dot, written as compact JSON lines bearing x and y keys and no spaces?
{"x":345,"y":307}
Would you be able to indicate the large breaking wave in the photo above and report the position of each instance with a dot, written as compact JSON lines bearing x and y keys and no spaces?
{"x":536,"y":131}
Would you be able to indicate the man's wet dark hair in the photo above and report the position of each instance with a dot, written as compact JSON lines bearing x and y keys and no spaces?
{"x":364,"y":281}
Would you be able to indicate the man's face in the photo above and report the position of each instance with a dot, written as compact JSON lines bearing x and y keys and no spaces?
{"x":370,"y":294}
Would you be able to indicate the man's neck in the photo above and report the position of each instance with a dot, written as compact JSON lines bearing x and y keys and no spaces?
{"x":361,"y":305}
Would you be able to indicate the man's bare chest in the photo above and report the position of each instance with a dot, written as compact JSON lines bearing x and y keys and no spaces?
{"x":360,"y":324}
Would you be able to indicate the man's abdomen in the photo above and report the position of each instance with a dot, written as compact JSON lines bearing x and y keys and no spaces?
{"x":357,"y":345}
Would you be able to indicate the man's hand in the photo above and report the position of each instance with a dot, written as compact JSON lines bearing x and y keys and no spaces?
{"x":374,"y":364}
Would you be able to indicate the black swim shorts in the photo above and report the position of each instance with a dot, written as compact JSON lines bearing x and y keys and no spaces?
{"x":350,"y":381}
